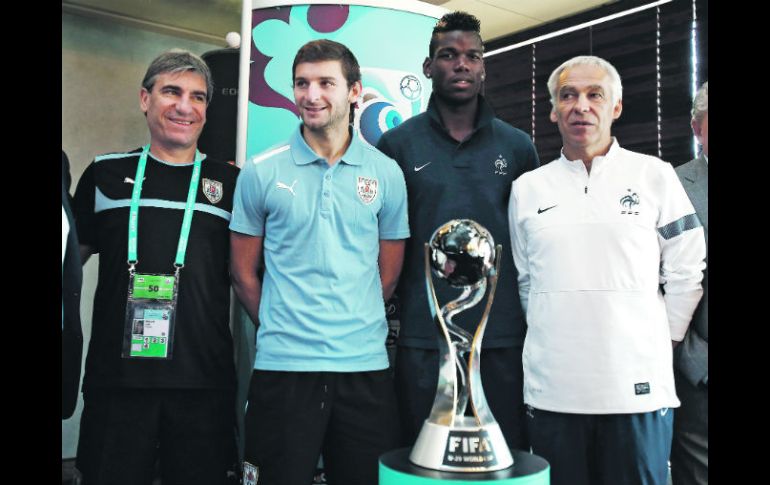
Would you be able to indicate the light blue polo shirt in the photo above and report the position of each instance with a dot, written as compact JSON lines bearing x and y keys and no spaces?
{"x":321,"y":307}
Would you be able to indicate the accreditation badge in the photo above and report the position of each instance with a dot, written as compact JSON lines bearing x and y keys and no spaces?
{"x":150,"y":312}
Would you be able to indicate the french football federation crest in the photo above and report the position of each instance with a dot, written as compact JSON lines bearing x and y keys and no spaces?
{"x":212,"y":190}
{"x":500,"y":165}
{"x":250,"y":474}
{"x":629,"y":201}
{"x":367,"y":189}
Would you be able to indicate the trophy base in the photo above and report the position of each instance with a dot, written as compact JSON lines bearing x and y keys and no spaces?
{"x":465,"y":447}
{"x":396,"y":469}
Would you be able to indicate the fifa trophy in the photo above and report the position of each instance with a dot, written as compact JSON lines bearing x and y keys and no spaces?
{"x":463,"y":253}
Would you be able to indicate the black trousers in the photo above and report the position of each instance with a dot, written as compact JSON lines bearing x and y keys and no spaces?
{"x":603,"y":449}
{"x":690,"y":448}
{"x":292,"y":417}
{"x":124,"y":431}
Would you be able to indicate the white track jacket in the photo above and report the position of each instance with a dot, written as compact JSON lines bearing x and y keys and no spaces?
{"x":592,"y":252}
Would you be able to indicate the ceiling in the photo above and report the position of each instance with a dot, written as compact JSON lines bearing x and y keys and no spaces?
{"x":503,"y":17}
{"x":210,"y":20}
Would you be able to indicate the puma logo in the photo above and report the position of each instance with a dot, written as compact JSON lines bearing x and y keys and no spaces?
{"x":282,"y":185}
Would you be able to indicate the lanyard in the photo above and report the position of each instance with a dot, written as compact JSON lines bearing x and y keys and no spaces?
{"x":133,"y":218}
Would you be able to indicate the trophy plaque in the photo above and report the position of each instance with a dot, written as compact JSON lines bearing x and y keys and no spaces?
{"x":457,"y":437}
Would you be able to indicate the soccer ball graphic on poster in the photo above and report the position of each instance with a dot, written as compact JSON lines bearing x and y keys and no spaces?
{"x":388,"y":98}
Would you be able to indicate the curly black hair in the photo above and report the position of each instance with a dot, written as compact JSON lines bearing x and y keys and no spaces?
{"x":454,"y":21}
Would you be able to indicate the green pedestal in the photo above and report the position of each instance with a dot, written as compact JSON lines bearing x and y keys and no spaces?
{"x":527,"y":469}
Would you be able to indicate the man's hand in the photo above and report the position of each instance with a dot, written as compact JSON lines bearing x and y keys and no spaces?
{"x":390,"y":260}
{"x":245,"y":259}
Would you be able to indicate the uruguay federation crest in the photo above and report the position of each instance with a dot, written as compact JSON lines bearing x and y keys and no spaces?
{"x":250,"y":474}
{"x":367,"y":189}
{"x":212,"y":190}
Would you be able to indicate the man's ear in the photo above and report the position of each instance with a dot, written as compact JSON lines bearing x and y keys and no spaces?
{"x":696,"y":129}
{"x":144,"y":100}
{"x":617,"y":109}
{"x":426,"y":67}
{"x":355,"y":91}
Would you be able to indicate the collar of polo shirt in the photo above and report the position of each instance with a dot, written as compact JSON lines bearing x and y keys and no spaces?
{"x":304,"y":155}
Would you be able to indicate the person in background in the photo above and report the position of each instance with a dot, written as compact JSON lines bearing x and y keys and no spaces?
{"x":690,"y":449}
{"x":71,"y":281}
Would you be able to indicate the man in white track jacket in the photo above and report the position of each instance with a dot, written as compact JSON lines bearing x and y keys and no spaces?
{"x":595,"y":235}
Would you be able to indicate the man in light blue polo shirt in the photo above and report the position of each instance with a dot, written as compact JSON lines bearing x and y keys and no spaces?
{"x":329,"y":216}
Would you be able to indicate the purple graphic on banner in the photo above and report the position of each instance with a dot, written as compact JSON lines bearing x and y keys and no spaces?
{"x":260,"y":93}
{"x":327,"y":18}
{"x":321,"y":18}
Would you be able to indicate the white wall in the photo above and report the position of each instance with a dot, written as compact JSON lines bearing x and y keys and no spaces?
{"x":103,"y":64}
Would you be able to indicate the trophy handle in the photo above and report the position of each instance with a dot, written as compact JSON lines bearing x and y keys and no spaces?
{"x":478,"y":400}
{"x":444,"y":405}
{"x":453,"y":391}
{"x":470,"y":296}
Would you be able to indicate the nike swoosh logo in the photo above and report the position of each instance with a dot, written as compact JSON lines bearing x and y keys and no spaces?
{"x":129,"y":180}
{"x":540,"y":211}
{"x":417,"y":169}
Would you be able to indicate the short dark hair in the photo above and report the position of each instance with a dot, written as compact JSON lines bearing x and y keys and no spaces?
{"x":177,"y":61}
{"x":454,"y":21}
{"x":328,"y":50}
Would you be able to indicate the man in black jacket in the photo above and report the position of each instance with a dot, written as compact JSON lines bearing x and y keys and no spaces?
{"x":459,"y":161}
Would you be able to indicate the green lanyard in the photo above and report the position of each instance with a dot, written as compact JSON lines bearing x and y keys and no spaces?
{"x":133,"y":218}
